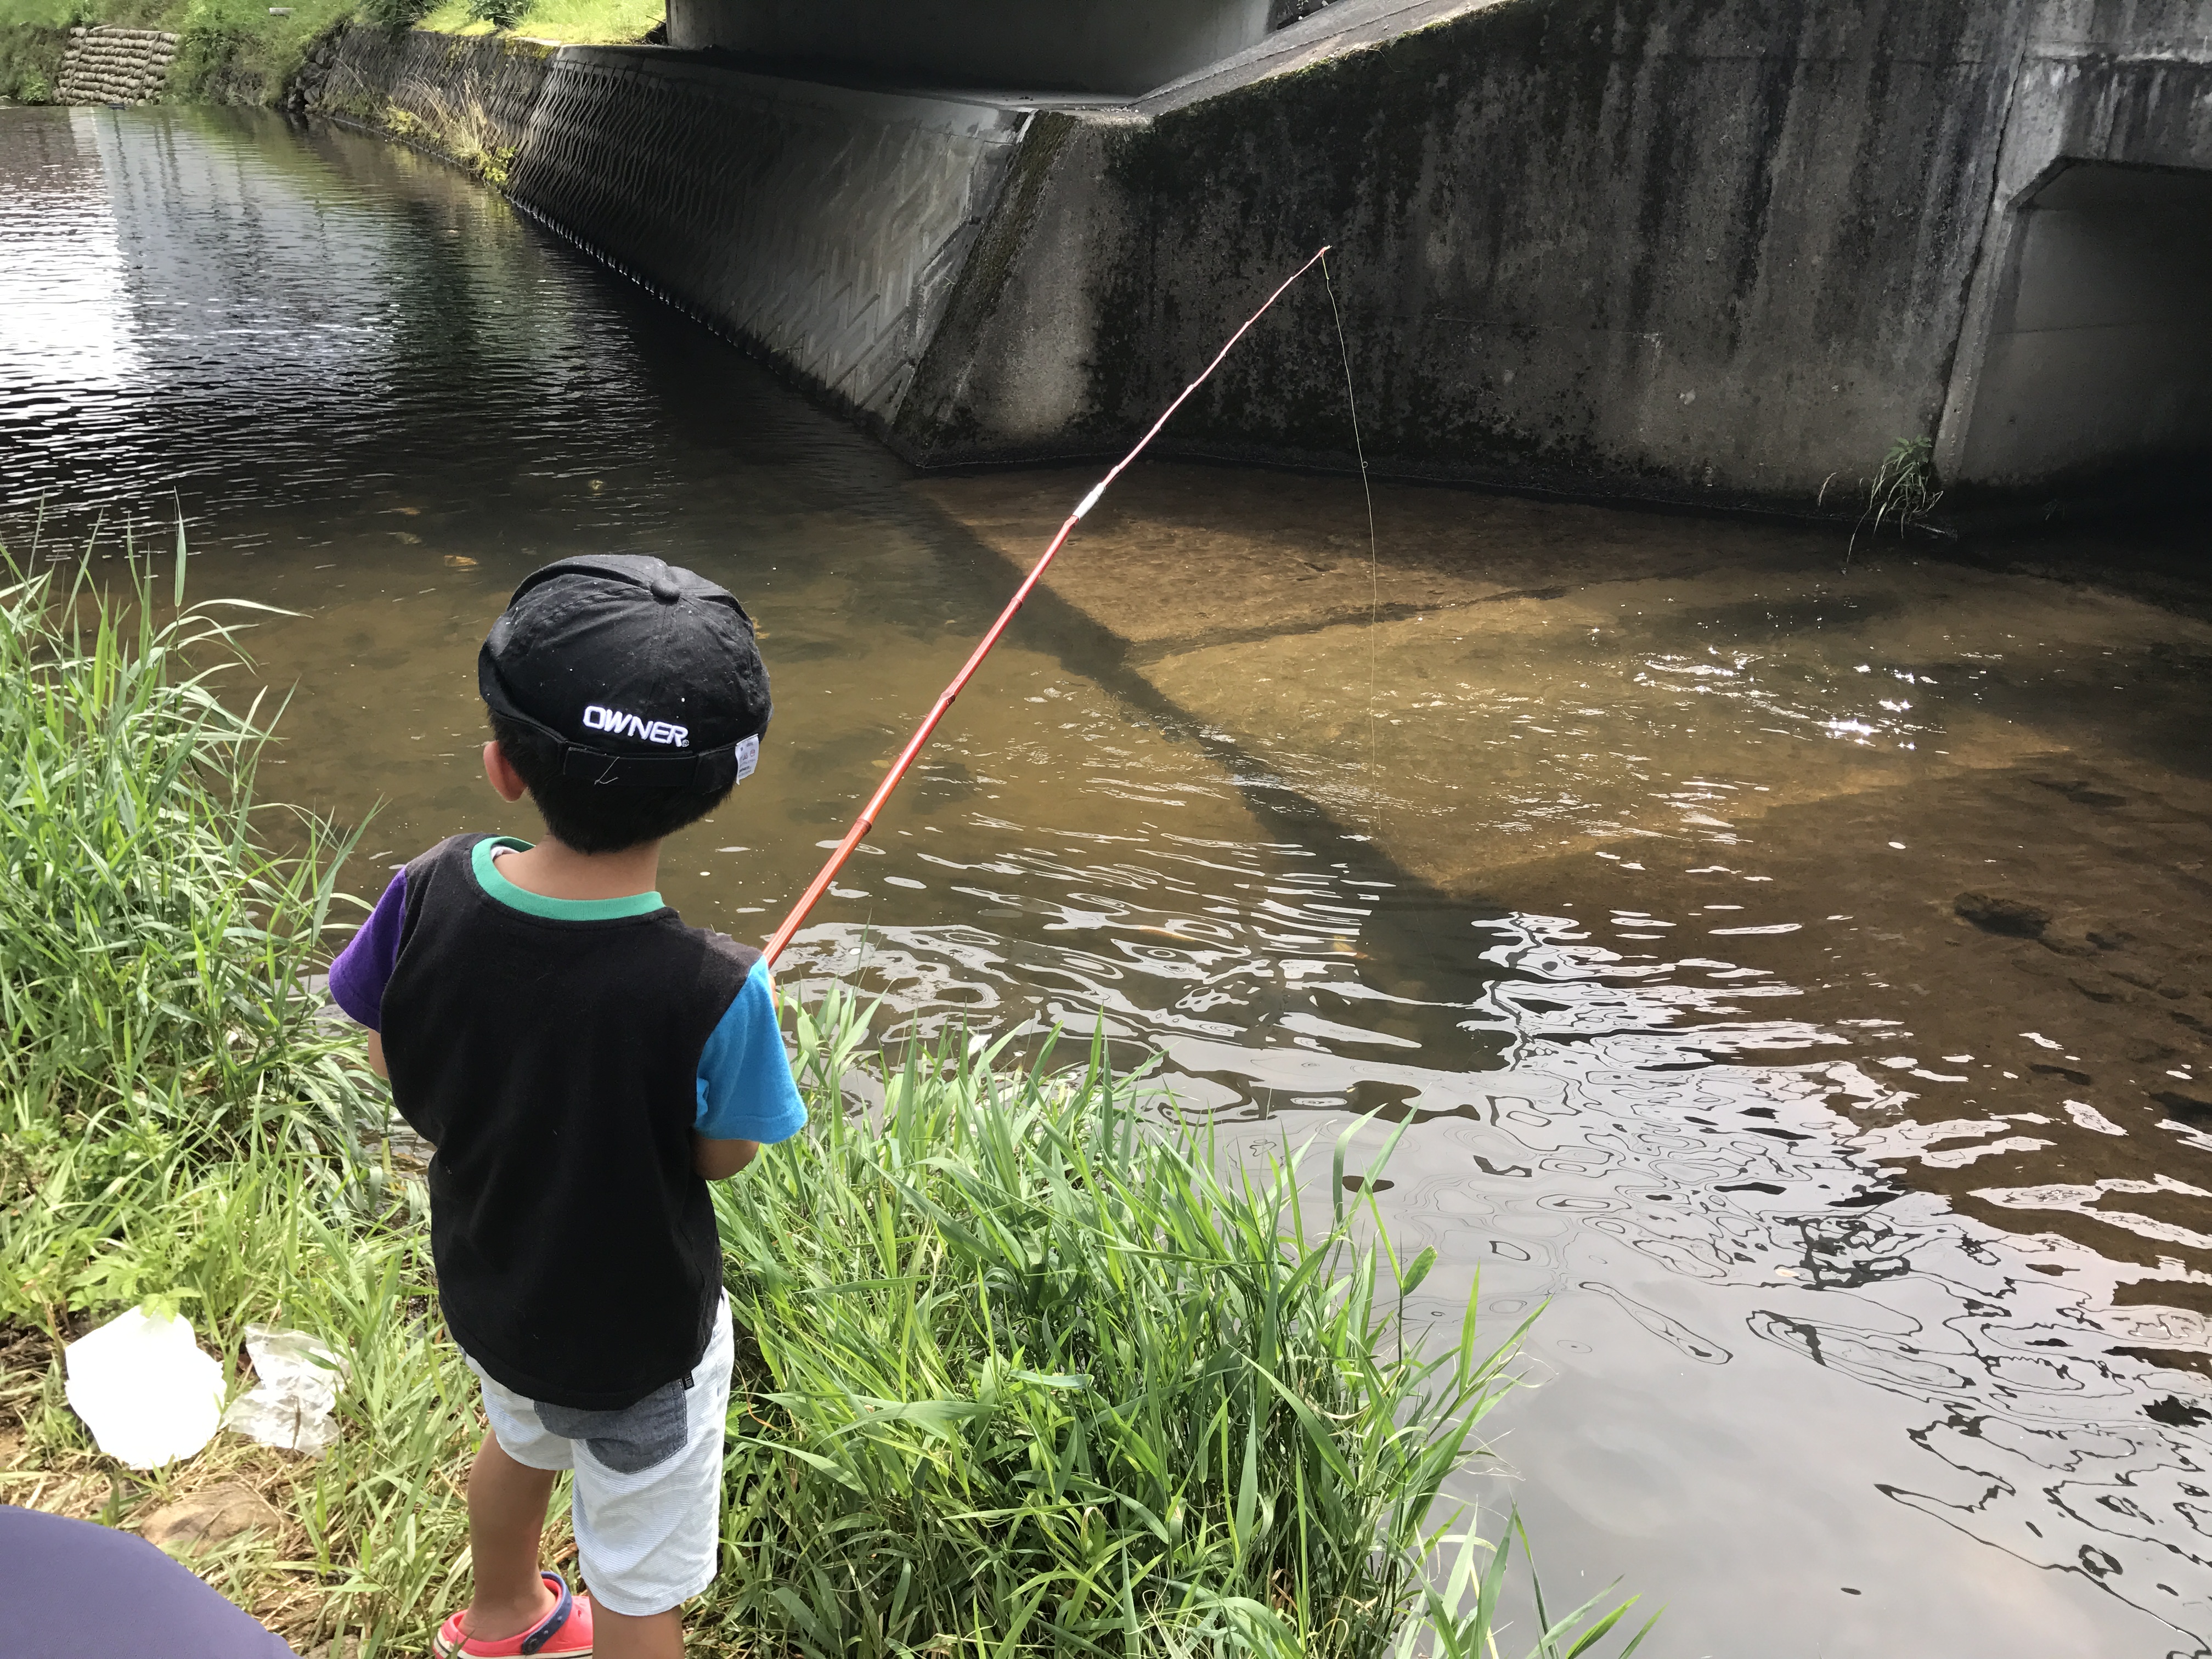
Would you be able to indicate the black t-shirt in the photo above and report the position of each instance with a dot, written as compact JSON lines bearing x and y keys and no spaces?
{"x":554,"y":1064}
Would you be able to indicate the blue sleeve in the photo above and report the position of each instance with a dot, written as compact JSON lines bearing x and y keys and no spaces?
{"x":745,"y":1088}
{"x":358,"y":977}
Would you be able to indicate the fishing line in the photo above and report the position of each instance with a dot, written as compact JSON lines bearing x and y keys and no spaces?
{"x":865,"y":822}
{"x":1374,"y":556}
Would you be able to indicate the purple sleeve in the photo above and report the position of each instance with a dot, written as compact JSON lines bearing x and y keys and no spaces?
{"x":357,"y":977}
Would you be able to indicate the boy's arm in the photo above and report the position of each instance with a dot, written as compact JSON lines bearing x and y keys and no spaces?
{"x":746,"y":1096}
{"x":363,"y":969}
{"x":717,"y":1160}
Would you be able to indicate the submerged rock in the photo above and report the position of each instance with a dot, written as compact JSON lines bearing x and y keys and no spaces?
{"x":2013,"y":917}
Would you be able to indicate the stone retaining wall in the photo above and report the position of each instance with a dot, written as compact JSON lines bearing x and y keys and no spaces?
{"x":114,"y":66}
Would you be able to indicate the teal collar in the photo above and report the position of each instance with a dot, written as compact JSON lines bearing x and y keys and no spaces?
{"x":484,"y":861}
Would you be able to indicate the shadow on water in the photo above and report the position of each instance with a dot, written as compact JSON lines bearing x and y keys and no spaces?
{"x":1871,"y":1237}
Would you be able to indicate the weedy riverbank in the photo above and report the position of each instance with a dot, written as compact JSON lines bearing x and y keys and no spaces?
{"x":240,"y":51}
{"x":1028,"y":1370}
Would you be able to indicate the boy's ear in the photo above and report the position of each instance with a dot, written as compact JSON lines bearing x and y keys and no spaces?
{"x":501,"y":773}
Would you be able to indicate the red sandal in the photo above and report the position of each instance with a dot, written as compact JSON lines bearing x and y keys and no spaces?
{"x":563,"y":1633}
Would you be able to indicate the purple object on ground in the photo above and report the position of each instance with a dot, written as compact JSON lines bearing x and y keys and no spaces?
{"x":358,"y":977}
{"x":69,"y":1588}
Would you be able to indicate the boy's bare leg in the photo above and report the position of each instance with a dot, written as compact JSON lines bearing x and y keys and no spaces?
{"x":506,"y":1514}
{"x":618,"y":1636}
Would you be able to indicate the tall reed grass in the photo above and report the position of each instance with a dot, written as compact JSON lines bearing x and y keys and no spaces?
{"x":176,"y":1121}
{"x":1057,"y":1381}
{"x":153,"y":954}
{"x":1028,"y":1370}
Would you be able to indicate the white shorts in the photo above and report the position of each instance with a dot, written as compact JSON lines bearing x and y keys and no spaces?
{"x":648,"y":1505}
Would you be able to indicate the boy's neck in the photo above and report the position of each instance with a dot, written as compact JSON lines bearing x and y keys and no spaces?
{"x":553,"y":870}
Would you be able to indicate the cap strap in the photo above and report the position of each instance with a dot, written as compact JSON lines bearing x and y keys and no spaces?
{"x":704,"y":770}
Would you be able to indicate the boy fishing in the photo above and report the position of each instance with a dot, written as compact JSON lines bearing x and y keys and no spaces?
{"x":584,"y":1064}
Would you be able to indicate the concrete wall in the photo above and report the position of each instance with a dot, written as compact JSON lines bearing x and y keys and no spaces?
{"x":469,"y":99}
{"x":1696,"y":250}
{"x":1094,"y":45}
{"x":2100,"y":350}
{"x":1713,"y":252}
{"x":1666,"y":247}
{"x":820,"y":226}
{"x":2123,"y":83}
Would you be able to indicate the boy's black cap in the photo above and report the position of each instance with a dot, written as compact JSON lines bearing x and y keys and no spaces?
{"x":644,"y":673}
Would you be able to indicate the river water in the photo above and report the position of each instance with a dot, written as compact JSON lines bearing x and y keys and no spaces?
{"x":1628,"y":856}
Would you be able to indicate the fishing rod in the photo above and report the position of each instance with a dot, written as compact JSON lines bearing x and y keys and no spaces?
{"x":866,"y":821}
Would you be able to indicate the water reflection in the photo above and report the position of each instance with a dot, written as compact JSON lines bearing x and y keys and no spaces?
{"x":1866,"y":1276}
{"x":1688,"y":1171}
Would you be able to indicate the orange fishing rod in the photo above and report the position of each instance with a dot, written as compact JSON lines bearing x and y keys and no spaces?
{"x":866,"y":821}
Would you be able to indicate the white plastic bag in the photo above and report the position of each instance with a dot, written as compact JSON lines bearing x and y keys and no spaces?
{"x":297,"y":1389}
{"x":143,"y":1388}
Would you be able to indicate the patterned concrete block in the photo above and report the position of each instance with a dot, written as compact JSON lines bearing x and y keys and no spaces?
{"x":114,"y":65}
{"x":820,"y":226}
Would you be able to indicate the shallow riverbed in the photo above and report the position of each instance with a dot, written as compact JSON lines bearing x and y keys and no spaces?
{"x":1633,"y":857}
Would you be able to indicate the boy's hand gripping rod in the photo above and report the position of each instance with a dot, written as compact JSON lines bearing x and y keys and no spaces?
{"x":865,"y":822}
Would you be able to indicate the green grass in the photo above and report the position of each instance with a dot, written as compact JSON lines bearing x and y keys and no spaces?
{"x":152,"y":954}
{"x":1902,"y":492}
{"x":1055,"y":1382}
{"x":174,"y":1118}
{"x":233,"y":51}
{"x":1028,"y":1371}
{"x":580,"y":22}
{"x":229,"y":51}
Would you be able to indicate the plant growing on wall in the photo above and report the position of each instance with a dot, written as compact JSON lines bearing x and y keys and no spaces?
{"x":1904,"y":489}
{"x":500,"y":14}
{"x":1902,"y":493}
{"x":395,"y":14}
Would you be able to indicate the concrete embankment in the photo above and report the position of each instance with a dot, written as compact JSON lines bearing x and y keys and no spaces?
{"x":1691,"y":249}
{"x":1712,"y":252}
{"x":114,"y":65}
{"x":819,"y":225}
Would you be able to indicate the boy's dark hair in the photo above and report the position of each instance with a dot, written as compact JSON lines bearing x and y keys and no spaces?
{"x":596,"y":818}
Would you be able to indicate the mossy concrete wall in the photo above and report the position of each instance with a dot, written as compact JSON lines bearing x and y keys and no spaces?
{"x":1713,"y":252}
{"x":1697,"y":250}
{"x":471,"y":99}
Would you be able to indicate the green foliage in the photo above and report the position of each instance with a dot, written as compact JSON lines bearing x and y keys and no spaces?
{"x":174,"y":1121}
{"x":1902,"y":493}
{"x":1024,"y":1369}
{"x":500,"y":14}
{"x":395,"y":14}
{"x":153,"y":1014}
{"x":1032,"y":1375}
{"x":233,"y":51}
{"x":1904,"y":489}
{"x":227,"y":50}
{"x":42,"y":14}
{"x":30,"y":54}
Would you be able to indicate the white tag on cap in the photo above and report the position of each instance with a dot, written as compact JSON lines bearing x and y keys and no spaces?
{"x":747,"y":755}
